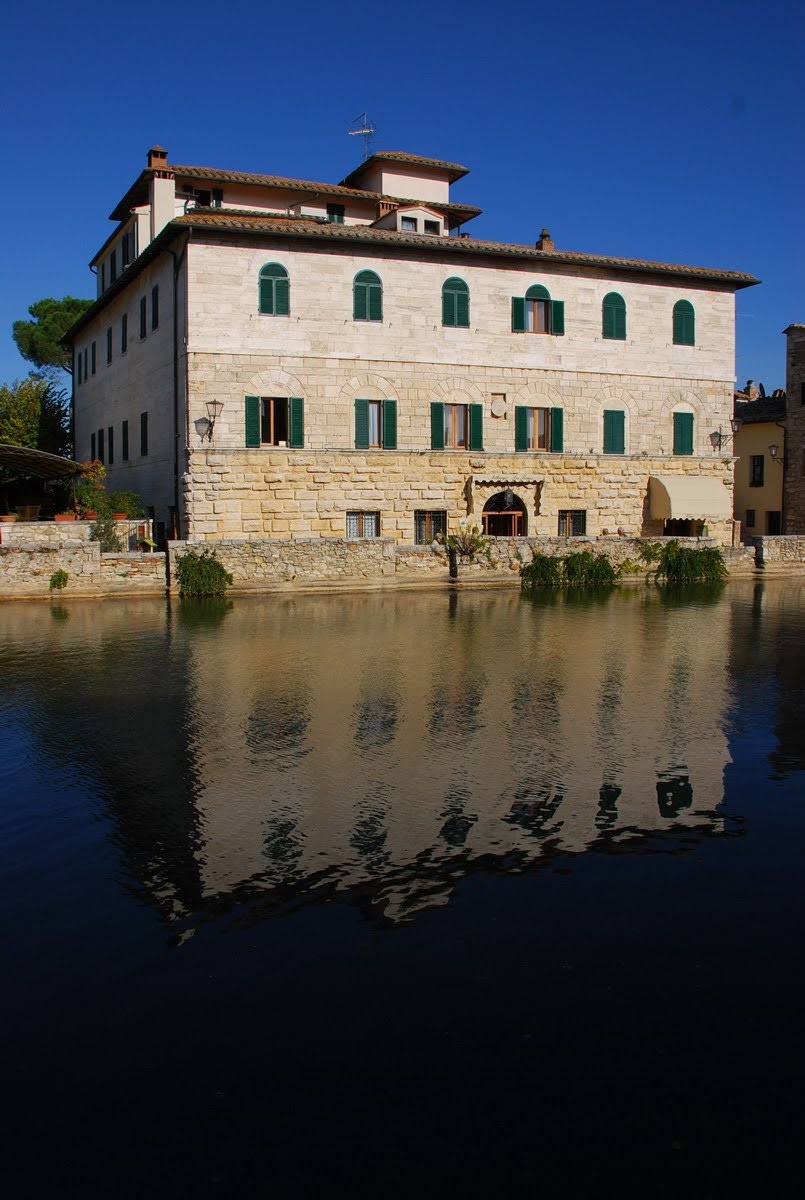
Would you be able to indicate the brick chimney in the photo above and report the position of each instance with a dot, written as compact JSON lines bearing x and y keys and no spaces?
{"x":545,"y":241}
{"x":157,"y":158}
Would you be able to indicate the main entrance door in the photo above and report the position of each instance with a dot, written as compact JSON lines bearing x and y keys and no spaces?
{"x":505,"y":515}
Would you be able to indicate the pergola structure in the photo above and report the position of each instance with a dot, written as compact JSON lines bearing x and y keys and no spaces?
{"x":36,"y":463}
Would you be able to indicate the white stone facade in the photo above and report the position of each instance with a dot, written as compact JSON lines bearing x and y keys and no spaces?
{"x":219,"y":346}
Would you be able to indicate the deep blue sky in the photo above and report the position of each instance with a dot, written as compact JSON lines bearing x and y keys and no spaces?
{"x":668,"y":131}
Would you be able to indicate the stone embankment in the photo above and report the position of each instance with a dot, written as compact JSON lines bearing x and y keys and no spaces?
{"x":27,"y":564}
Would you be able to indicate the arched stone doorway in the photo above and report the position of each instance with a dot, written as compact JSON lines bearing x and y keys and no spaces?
{"x":505,"y":515}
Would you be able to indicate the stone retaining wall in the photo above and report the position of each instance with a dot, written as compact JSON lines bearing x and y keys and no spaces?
{"x":784,"y":553}
{"x":27,"y":570}
{"x":65,"y":533}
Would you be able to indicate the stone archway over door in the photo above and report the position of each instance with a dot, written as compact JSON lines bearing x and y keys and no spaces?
{"x":505,"y":515}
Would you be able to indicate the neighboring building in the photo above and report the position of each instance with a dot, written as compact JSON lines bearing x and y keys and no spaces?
{"x":759,"y":449}
{"x":794,"y":484}
{"x":273,"y":357}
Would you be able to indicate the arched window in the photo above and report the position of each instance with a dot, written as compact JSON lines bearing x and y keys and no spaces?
{"x":367,"y":297}
{"x":538,"y":309}
{"x":455,"y":303}
{"x":684,"y":324}
{"x":274,"y":290}
{"x":613,"y":317}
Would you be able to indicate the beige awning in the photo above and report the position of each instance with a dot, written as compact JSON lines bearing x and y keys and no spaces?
{"x":681,"y":497}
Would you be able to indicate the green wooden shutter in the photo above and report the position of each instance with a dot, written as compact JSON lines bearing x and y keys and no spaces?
{"x":375,"y":302}
{"x":282,"y":300}
{"x":557,"y":430}
{"x":252,"y":420}
{"x":361,"y":424}
{"x":389,"y":424}
{"x":266,"y":294}
{"x":684,"y":324}
{"x":518,"y":314}
{"x":436,"y":426}
{"x":448,"y":307}
{"x":614,"y":431}
{"x":683,"y":433}
{"x":520,"y":427}
{"x":620,"y":323}
{"x":463,"y":309}
{"x":476,"y":427}
{"x":359,"y":305}
{"x":296,"y":414}
{"x":558,"y":317}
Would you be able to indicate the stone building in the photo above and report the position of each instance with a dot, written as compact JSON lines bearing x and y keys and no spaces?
{"x":272,"y":358}
{"x":794,"y":480}
{"x":759,"y":449}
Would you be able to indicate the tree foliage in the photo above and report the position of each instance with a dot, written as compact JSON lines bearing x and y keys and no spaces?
{"x":35,"y":413}
{"x":39,"y":340}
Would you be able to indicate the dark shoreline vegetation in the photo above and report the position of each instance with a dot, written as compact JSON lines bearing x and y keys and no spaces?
{"x":669,"y":564}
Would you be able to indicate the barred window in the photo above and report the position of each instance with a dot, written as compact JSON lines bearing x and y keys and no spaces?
{"x":572,"y":522}
{"x":363,"y":524}
{"x":427,"y":524}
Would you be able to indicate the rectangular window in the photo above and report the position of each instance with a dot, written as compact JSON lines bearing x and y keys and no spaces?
{"x":93,"y":357}
{"x":93,"y":453}
{"x":572,"y":522}
{"x":432,"y":227}
{"x":103,"y":276}
{"x":683,"y":433}
{"x":335,"y":214}
{"x":456,"y":426}
{"x":538,"y":315}
{"x":756,"y":470}
{"x":113,"y":266}
{"x":110,"y":445}
{"x":428,"y":524}
{"x":409,"y":224}
{"x":124,"y":334}
{"x":363,"y":524}
{"x":774,"y":523}
{"x":143,"y":317}
{"x":376,"y":424}
{"x":802,"y":393}
{"x":614,"y":431}
{"x":124,"y":252}
{"x":124,"y":441}
{"x":274,"y":421}
{"x":155,"y":306}
{"x":109,"y":344}
{"x":217,"y":197}
{"x":78,"y":366}
{"x":86,"y":372}
{"x":538,"y":429}
{"x":750,"y":518}
{"x":144,"y":433}
{"x":101,"y":450}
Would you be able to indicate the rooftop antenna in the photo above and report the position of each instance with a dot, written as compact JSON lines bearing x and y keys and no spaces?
{"x":364,"y":128}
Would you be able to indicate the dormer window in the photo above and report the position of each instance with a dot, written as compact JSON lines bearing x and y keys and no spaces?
{"x":432,"y":227}
{"x":335,"y":214}
{"x":409,"y":224}
{"x":217,"y":197}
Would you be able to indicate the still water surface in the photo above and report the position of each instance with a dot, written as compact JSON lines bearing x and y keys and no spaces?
{"x":303,"y":888}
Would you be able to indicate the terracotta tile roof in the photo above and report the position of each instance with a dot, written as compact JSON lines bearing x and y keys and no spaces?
{"x":455,"y":170}
{"x":313,"y":229}
{"x":138,"y":192}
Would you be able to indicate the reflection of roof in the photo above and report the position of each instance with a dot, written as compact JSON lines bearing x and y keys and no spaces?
{"x":765,"y":408}
{"x":36,"y":462}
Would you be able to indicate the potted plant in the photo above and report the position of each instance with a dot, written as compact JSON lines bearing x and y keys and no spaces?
{"x":7,"y":518}
{"x":89,"y":494}
{"x":67,"y":515}
{"x":126,"y":506}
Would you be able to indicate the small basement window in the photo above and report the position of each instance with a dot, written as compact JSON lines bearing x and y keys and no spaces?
{"x":363,"y":524}
{"x":572,"y":522}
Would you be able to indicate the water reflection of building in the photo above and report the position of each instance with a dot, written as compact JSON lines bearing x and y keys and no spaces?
{"x":386,"y":746}
{"x":382,"y":748}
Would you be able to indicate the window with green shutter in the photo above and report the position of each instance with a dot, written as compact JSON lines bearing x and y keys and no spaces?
{"x":684,"y":324}
{"x":252,"y":420}
{"x":614,"y":431}
{"x":613,"y":317}
{"x":375,"y":424}
{"x":367,"y":297}
{"x":536,"y":312}
{"x":455,"y":303}
{"x":274,"y":290}
{"x":296,"y":422}
{"x":436,"y":426}
{"x":683,"y":433}
{"x":532,"y":428}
